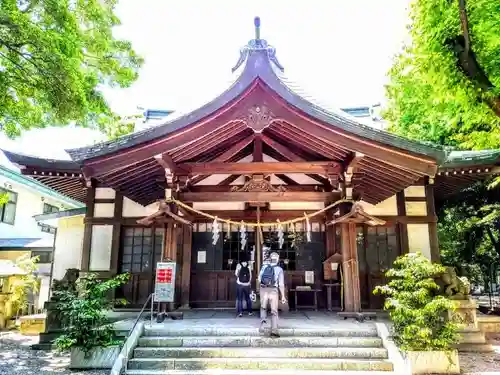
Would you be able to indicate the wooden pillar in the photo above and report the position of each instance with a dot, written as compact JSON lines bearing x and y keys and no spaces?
{"x":329,"y":236}
{"x":431,"y":211}
{"x":186,"y":266}
{"x":87,"y":232}
{"x":402,"y":227}
{"x":117,"y":229}
{"x":352,"y":296}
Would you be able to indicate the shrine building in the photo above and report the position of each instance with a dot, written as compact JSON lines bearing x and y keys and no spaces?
{"x":262,"y":152}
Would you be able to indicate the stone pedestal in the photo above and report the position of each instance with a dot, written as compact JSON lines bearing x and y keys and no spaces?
{"x":472,"y":339}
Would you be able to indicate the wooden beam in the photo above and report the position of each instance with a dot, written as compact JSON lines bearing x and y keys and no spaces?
{"x":320,"y":167}
{"x":257,"y":148}
{"x":351,"y":165}
{"x":166,"y":162}
{"x":288,"y":196}
{"x":227,"y":188}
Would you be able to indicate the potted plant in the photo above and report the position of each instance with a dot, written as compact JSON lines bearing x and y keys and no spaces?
{"x":86,"y":332}
{"x":421,"y":327}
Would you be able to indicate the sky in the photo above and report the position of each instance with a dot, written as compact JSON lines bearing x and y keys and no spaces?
{"x":337,"y":50}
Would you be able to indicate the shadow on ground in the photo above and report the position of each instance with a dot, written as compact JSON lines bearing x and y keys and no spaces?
{"x":17,"y":358}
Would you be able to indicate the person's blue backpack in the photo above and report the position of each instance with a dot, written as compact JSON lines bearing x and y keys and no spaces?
{"x":268,"y":278}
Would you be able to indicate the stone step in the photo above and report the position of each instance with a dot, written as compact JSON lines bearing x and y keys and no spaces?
{"x":364,"y":353}
{"x":363,"y":330}
{"x":259,"y":341}
{"x":251,"y":372}
{"x":189,"y":364}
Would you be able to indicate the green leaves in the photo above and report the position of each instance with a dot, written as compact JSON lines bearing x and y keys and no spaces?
{"x":431,"y":95}
{"x":54,"y":57}
{"x":418,"y":314}
{"x":24,"y":284}
{"x":83,"y":312}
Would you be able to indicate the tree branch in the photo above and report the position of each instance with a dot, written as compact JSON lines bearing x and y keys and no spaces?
{"x":464,"y":22}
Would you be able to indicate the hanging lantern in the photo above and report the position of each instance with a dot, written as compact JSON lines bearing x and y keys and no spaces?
{"x":308,"y":228}
{"x":215,"y":231}
{"x":281,"y":235}
{"x":243,"y":236}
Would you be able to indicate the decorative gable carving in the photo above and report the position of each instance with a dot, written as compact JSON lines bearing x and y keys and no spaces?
{"x":258,"y":183}
{"x":258,"y":118}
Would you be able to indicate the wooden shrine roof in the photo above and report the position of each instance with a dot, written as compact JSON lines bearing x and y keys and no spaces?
{"x":262,"y":114}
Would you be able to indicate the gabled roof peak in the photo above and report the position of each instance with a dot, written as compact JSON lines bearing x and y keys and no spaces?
{"x":258,"y":45}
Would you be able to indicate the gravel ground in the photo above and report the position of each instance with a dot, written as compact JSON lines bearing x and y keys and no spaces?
{"x":482,"y":363}
{"x":16,"y":358}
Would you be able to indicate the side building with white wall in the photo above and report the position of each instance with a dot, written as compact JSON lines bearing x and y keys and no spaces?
{"x":20,"y":233}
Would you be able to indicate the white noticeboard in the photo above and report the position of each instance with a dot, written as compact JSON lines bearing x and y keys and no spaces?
{"x":165,"y":282}
{"x":202,"y":257}
{"x":309,"y":277}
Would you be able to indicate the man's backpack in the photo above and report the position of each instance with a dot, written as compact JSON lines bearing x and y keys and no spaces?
{"x":244,"y":274}
{"x":268,"y":278}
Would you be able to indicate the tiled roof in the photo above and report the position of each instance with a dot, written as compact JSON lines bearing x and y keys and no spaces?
{"x":471,"y":158}
{"x":16,"y":243}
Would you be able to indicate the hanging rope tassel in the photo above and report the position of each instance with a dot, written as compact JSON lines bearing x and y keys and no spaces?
{"x":308,"y":228}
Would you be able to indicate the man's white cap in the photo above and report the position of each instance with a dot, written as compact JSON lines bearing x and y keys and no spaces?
{"x":274,"y":255}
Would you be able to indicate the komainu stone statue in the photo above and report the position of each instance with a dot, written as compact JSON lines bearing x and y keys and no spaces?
{"x":455,"y":287}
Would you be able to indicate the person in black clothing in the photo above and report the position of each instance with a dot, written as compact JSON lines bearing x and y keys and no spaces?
{"x":243,"y":287}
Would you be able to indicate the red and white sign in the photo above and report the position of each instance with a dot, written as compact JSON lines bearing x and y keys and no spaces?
{"x":165,"y":282}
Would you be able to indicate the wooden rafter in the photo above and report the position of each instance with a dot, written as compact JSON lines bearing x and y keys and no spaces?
{"x":282,"y":150}
{"x":211,"y":140}
{"x":228,"y":180}
{"x":287,"y":180}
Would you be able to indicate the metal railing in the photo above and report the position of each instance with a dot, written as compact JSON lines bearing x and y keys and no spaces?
{"x":150,"y":298}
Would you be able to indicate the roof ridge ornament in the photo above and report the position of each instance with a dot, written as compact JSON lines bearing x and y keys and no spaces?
{"x":257,"y":44}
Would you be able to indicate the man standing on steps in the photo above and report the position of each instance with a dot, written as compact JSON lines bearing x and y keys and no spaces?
{"x":243,"y":281}
{"x":272,"y":285}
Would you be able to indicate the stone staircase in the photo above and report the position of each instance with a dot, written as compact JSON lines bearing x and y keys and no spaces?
{"x":244,"y":350}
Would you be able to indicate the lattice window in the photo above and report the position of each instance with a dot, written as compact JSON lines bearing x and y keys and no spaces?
{"x":232,"y":253}
{"x":141,"y":249}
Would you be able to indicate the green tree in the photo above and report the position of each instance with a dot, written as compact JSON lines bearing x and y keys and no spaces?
{"x":418,"y":313}
{"x":445,"y":85}
{"x":54,"y":57}
{"x":25,"y":284}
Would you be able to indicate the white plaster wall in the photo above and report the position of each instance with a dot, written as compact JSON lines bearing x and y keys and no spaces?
{"x":105,"y":193}
{"x":419,"y":239}
{"x":104,"y":209}
{"x":69,"y":244}
{"x":100,"y":248}
{"x":385,"y":208}
{"x":416,"y":208}
{"x":415,"y":191}
{"x":29,"y":204}
{"x":133,"y":209}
